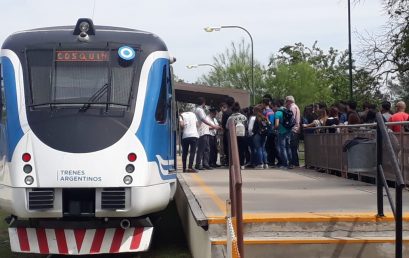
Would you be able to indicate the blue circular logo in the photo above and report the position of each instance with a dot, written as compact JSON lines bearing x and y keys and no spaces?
{"x":126,"y":53}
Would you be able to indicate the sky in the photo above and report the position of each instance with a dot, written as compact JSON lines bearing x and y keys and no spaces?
{"x":272,"y":23}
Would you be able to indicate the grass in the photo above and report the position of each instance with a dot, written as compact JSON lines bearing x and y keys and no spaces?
{"x":168,"y":240}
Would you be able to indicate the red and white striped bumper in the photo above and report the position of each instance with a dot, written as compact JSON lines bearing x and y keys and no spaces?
{"x":79,"y":241}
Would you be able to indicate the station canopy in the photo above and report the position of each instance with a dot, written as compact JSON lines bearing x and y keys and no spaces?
{"x":189,"y":93}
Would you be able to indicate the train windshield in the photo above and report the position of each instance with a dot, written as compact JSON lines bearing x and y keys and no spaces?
{"x":79,"y":77}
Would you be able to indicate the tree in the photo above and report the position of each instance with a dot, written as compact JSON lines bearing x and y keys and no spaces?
{"x":313,"y":75}
{"x":387,"y":53}
{"x":233,"y":69}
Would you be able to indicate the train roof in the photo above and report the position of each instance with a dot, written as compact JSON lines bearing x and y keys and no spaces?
{"x":22,"y":40}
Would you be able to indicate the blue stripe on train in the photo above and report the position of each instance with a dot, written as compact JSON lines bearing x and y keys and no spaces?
{"x":155,"y":137}
{"x":14,"y":133}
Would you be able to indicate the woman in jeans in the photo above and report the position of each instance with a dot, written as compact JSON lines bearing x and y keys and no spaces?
{"x":260,"y":131}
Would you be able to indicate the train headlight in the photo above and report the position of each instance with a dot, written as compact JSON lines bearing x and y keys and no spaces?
{"x":29,"y":180}
{"x":84,"y":26}
{"x":128,"y":180}
{"x":130,"y":168}
{"x":27,"y":169}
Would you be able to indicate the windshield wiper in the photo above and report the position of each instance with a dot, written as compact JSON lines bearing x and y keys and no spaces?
{"x":95,"y":97}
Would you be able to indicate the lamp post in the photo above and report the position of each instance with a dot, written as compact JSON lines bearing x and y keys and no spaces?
{"x":197,"y":65}
{"x":350,"y":50}
{"x":211,"y":29}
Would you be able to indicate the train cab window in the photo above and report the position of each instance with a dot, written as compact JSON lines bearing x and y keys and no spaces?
{"x":162,"y":101}
{"x":72,"y":77}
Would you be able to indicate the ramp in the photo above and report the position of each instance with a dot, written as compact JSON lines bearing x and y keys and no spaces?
{"x":288,"y":213}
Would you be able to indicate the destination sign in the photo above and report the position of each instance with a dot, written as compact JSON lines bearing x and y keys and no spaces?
{"x":81,"y":56}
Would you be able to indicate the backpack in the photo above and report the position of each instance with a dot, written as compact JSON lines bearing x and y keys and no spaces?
{"x":271,"y":127}
{"x":264,"y":126}
{"x":240,"y":129}
{"x":288,"y":118}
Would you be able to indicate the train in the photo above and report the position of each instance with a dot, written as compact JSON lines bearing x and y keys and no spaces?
{"x":87,"y":138}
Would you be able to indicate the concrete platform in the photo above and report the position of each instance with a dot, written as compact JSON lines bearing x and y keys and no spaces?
{"x":299,"y":212}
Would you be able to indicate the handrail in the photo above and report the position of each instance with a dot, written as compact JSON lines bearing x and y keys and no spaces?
{"x":384,"y":141}
{"x":235,"y":184}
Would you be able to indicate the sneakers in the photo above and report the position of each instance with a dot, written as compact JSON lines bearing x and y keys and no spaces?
{"x":191,"y":170}
{"x":242,"y":167}
{"x":259,"y":166}
{"x":265,"y":166}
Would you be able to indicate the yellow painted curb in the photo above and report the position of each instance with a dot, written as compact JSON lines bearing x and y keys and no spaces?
{"x":309,"y":217}
{"x":310,"y":241}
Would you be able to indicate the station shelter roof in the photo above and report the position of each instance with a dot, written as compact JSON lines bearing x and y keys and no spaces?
{"x":214,"y":95}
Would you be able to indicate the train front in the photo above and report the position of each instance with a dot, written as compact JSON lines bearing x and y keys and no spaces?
{"x":86,"y":138}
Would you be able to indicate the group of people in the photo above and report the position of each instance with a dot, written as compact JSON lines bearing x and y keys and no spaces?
{"x":267,"y":134}
{"x":345,"y":113}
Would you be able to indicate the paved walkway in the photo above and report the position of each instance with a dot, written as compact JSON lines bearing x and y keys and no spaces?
{"x":300,"y":193}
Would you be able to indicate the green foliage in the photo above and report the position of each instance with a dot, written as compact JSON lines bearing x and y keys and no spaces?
{"x":233,"y":69}
{"x":312,"y":75}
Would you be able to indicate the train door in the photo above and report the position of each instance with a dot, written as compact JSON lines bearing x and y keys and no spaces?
{"x":3,"y":144}
{"x":172,"y":119}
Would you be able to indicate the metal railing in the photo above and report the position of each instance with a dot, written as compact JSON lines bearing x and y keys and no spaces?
{"x":235,"y":184}
{"x":382,"y":136}
{"x":324,"y":150}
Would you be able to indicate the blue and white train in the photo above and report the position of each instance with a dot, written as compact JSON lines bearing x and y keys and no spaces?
{"x":87,"y":138}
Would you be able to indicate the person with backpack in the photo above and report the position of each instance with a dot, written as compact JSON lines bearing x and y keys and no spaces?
{"x":260,"y":131}
{"x":270,"y":143}
{"x":284,"y":121}
{"x":295,"y":131}
{"x":240,"y":123}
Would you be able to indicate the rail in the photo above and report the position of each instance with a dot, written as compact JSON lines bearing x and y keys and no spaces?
{"x":323,"y":150}
{"x":383,"y":140}
{"x":235,"y":191}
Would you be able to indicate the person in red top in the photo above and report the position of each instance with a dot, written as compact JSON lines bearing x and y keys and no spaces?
{"x":399,"y":116}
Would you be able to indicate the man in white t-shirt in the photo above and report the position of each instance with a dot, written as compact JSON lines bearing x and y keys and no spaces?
{"x":188,"y":122}
{"x":204,"y":125}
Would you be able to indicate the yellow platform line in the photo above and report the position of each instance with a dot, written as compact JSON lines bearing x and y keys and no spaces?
{"x":212,"y":194}
{"x":309,"y":217}
{"x":311,"y":241}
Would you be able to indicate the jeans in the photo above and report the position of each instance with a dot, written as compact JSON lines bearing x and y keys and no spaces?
{"x":242,"y":146}
{"x":260,"y":148}
{"x":186,"y":143}
{"x":284,"y":147}
{"x":294,"y":142}
{"x":203,"y":151}
{"x":213,"y":150}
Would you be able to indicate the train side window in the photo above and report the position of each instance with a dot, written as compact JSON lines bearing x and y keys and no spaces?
{"x":161,"y":106}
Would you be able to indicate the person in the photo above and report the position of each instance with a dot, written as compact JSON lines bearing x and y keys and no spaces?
{"x":342,"y":112}
{"x":204,"y":125}
{"x":386,"y":110}
{"x":188,"y":123}
{"x":283,"y":136}
{"x":213,"y":138}
{"x":351,"y":109}
{"x":399,"y":116}
{"x":320,"y":121}
{"x":332,"y":119}
{"x":240,"y":122}
{"x":270,"y":142}
{"x":295,"y":131}
{"x":226,"y":114}
{"x":251,"y":118}
{"x":220,"y":133}
{"x":260,"y":131}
